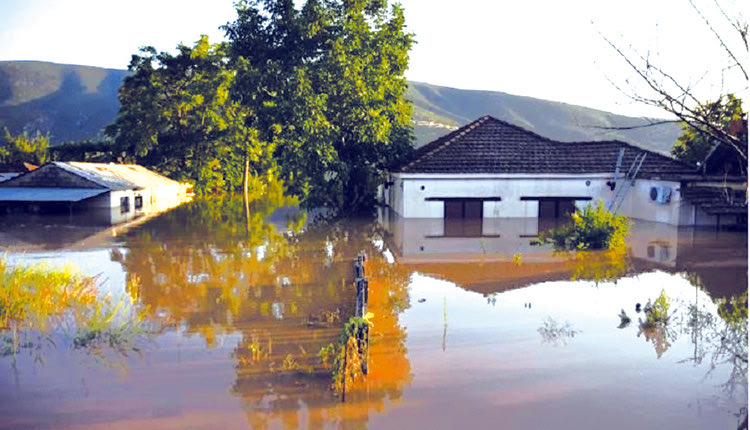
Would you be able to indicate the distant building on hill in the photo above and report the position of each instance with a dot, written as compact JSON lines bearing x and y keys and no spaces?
{"x":493,"y":169}
{"x":90,"y":193}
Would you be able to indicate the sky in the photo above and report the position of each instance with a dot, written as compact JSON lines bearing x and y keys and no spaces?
{"x":548,"y":49}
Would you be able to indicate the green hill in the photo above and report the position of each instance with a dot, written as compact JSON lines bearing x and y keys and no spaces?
{"x":76,"y":102}
{"x":438,"y":109}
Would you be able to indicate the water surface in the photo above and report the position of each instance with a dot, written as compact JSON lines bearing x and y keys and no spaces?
{"x":480,"y":331}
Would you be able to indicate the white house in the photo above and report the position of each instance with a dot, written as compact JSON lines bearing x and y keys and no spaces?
{"x":493,"y":169}
{"x":97,"y":193}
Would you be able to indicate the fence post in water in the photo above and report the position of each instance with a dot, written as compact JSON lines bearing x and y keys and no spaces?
{"x":343,"y":374}
{"x":362,"y":294}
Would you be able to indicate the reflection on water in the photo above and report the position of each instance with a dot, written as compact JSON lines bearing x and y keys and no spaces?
{"x":478,"y":330}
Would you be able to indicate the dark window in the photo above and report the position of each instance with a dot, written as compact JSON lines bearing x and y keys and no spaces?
{"x":554,"y":211}
{"x":138,"y":202}
{"x":463,"y":208}
{"x":124,"y":205}
{"x":463,"y":217}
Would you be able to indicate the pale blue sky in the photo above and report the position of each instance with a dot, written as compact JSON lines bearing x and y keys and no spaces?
{"x":540,"y":48}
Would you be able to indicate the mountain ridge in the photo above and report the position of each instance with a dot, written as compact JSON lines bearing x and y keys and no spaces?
{"x":73,"y":103}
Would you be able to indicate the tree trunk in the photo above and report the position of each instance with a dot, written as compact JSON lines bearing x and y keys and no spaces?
{"x":245,"y":175}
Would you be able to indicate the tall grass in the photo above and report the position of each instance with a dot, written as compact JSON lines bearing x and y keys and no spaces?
{"x":38,"y":302}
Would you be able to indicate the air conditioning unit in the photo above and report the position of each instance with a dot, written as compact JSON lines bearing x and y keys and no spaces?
{"x":661,"y":195}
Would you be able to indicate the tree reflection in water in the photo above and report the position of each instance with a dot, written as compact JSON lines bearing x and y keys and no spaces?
{"x":212,"y":268}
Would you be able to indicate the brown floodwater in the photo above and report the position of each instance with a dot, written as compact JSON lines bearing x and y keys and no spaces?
{"x":469,"y":330}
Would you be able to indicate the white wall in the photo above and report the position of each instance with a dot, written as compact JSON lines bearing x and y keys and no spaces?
{"x":638,"y":203}
{"x":109,"y":203}
{"x":409,"y":193}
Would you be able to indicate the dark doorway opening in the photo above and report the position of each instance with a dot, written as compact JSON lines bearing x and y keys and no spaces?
{"x":463,"y":217}
{"x":554,"y":211}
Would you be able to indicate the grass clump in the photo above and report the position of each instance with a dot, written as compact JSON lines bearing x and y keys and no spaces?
{"x":38,"y":302}
{"x":592,"y":228}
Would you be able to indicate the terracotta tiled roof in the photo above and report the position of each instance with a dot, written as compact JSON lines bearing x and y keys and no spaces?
{"x":489,"y":145}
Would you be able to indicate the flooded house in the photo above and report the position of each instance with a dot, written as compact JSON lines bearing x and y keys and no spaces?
{"x":90,"y":193}
{"x":492,"y":169}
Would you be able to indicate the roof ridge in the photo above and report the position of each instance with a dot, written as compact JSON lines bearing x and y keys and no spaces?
{"x":442,"y":142}
{"x":523,"y":130}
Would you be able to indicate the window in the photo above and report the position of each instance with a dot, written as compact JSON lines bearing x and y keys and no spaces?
{"x":463,"y":217}
{"x":554,"y":211}
{"x":124,"y":205}
{"x":138,"y":202}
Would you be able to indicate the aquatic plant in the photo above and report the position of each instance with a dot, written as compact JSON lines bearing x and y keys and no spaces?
{"x":38,"y":302}
{"x":555,"y":333}
{"x":657,"y":314}
{"x":590,"y":229}
{"x":517,"y":259}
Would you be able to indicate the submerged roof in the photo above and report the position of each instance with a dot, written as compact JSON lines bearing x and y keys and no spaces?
{"x":75,"y":175}
{"x":132,"y":174}
{"x":25,"y":194}
{"x":489,"y":145}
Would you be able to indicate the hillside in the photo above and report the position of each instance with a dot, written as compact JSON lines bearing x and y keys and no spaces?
{"x":69,"y":102}
{"x":438,"y":109}
{"x":76,"y":102}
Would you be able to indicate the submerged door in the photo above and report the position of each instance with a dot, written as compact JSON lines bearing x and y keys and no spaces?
{"x":463,"y":217}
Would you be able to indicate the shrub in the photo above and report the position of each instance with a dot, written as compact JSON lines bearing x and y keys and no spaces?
{"x":658,"y":312}
{"x":590,"y":229}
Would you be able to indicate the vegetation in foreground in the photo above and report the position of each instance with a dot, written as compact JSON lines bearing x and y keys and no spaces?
{"x":349,"y":354}
{"x":39,"y":304}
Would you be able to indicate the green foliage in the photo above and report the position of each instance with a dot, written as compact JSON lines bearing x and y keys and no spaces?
{"x":658,"y":313}
{"x":348,"y":354}
{"x":599,"y":266}
{"x":697,"y":141}
{"x":24,"y":149}
{"x":87,"y":151}
{"x":37,"y":299}
{"x":176,"y":117}
{"x":326,"y":83}
{"x":590,"y":229}
{"x":733,"y":310}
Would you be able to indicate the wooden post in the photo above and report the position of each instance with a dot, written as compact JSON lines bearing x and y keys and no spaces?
{"x":343,"y":374}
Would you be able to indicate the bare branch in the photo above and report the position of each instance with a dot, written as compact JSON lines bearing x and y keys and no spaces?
{"x":736,"y":24}
{"x":635,"y":127}
{"x":721,"y":41}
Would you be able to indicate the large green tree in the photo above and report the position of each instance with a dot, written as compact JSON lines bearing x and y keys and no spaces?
{"x":325,"y":83}
{"x":176,"y":117}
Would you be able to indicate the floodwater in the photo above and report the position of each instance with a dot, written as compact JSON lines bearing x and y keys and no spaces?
{"x":471,"y":327}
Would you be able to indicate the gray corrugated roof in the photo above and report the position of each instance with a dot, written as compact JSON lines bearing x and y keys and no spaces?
{"x":26,"y":194}
{"x":134,"y":174}
{"x":96,"y":173}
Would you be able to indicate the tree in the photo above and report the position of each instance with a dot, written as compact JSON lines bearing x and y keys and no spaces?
{"x":177,"y":118}
{"x":24,"y":149}
{"x":709,"y":126}
{"x":326,"y":85}
{"x":698,"y":148}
